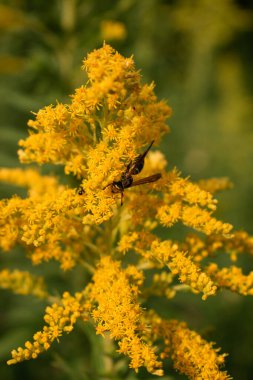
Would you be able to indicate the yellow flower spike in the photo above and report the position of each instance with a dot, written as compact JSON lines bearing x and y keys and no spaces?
{"x":192,"y":194}
{"x":232,"y":278}
{"x":194,"y":357}
{"x":52,"y":220}
{"x":116,"y":309}
{"x":168,"y":253}
{"x":31,"y":179}
{"x":240,"y":242}
{"x":60,"y":318}
{"x":186,"y":202}
{"x":169,"y":215}
{"x":23,"y":283}
{"x":191,"y":354}
{"x":199,"y":248}
{"x":199,"y":219}
{"x":213,"y":185}
{"x":127,"y":241}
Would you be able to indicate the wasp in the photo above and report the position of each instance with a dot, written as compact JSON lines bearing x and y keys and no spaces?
{"x":133,"y":168}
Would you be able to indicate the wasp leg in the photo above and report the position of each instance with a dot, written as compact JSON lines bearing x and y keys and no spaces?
{"x":128,"y":166}
{"x":121,"y":198}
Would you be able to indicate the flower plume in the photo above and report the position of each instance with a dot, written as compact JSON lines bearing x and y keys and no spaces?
{"x":108,"y":123}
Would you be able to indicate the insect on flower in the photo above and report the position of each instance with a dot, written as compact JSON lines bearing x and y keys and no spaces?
{"x":133,"y":168}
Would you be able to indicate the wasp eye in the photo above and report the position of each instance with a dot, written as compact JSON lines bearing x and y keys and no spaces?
{"x":80,"y":191}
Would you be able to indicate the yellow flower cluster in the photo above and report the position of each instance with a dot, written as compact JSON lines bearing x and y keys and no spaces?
{"x":47,"y":222}
{"x":201,"y":220}
{"x":200,"y":248}
{"x":191,"y":193}
{"x":117,"y":311}
{"x":183,"y":260}
{"x":60,"y":317}
{"x":194,"y":217}
{"x":23,"y":283}
{"x":232,"y":278}
{"x":241,"y":242}
{"x":167,"y":253}
{"x":187,"y":202}
{"x":31,"y":179}
{"x":212,"y":185}
{"x":107,"y":121}
{"x":192,"y":355}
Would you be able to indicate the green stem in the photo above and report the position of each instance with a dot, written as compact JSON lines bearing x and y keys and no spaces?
{"x":68,"y":15}
{"x":87,"y":266}
{"x":108,"y":349}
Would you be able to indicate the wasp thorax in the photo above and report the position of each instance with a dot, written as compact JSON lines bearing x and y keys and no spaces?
{"x":117,"y":187}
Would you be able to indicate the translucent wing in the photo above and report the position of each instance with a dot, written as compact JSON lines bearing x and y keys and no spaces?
{"x":135,"y":167}
{"x":152,"y":178}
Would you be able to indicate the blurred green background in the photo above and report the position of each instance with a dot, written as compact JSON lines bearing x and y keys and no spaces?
{"x":200,"y":55}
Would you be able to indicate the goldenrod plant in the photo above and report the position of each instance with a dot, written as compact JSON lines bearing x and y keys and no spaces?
{"x":108,"y":123}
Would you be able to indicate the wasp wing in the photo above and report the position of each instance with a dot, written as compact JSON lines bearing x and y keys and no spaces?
{"x":135,"y":166}
{"x":152,"y":178}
